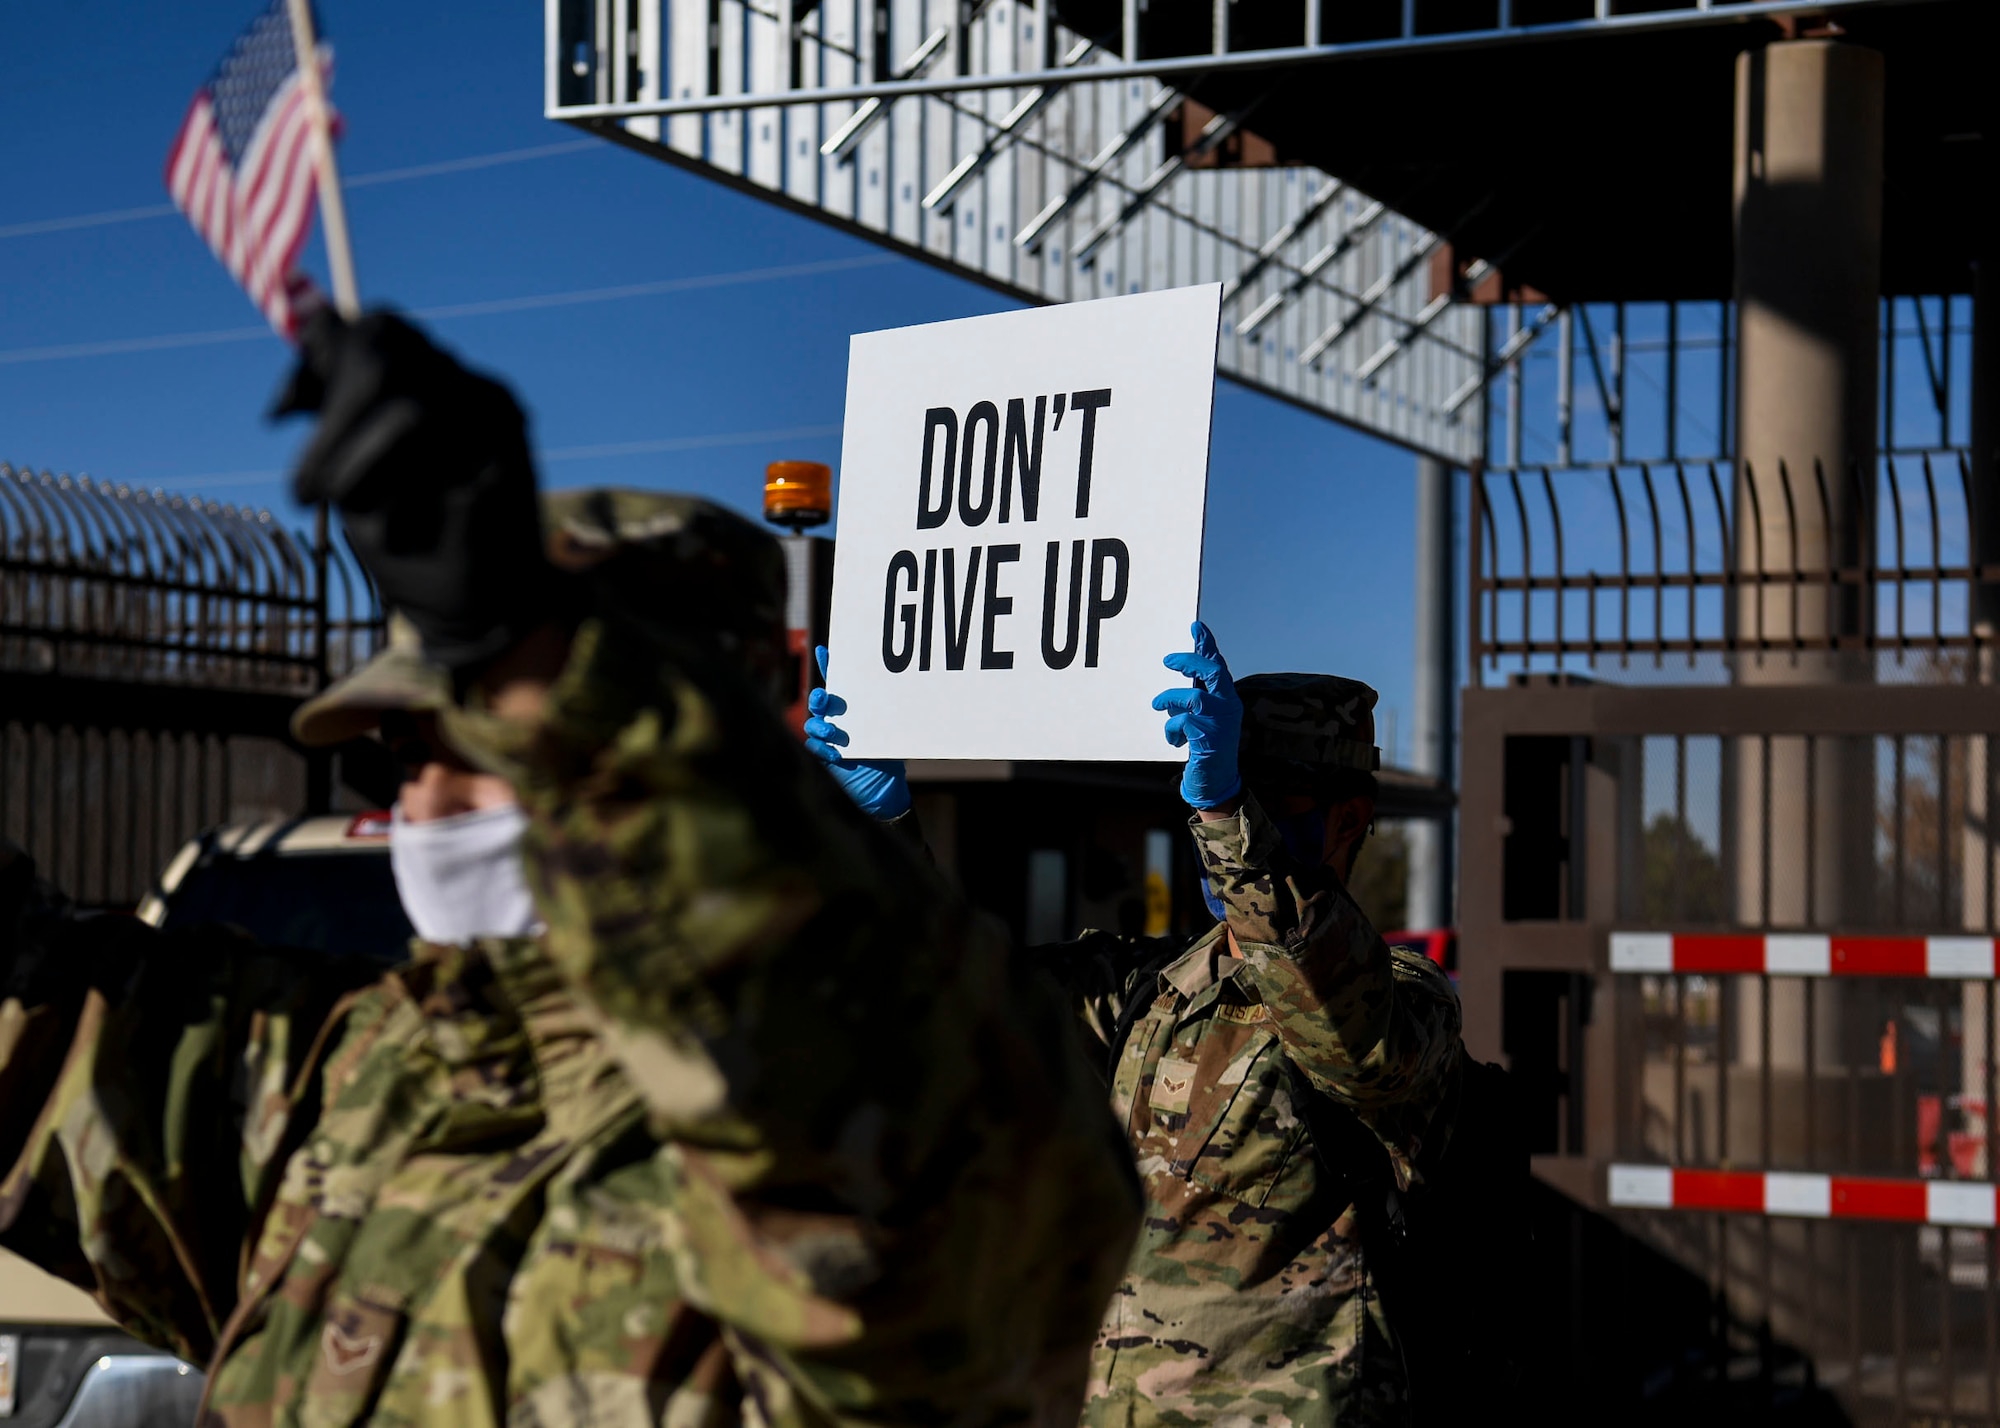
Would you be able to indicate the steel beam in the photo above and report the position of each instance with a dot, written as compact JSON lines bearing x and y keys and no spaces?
{"x":1364,"y":223}
{"x":1502,"y":360}
{"x":1269,"y":249}
{"x":841,"y":143}
{"x":1218,"y":128}
{"x":1009,"y":127}
{"x":1171,"y":68}
{"x":1428,"y":314}
{"x":1121,"y":144}
{"x":1372,"y":299}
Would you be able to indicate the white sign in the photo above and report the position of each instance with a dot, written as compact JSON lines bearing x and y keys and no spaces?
{"x":1021,"y":505}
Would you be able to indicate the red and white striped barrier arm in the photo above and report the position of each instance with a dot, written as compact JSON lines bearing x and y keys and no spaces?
{"x":1813,"y":1197}
{"x":1790,"y":954}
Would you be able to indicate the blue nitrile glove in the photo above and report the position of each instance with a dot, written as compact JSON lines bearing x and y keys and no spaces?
{"x":879,"y":787}
{"x":1208,"y":719}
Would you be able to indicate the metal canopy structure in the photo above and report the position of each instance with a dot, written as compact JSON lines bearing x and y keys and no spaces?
{"x":1039,"y":161}
{"x":1589,"y":142}
{"x":1067,"y":149}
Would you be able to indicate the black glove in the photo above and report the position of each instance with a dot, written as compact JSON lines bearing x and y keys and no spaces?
{"x":428,"y":465}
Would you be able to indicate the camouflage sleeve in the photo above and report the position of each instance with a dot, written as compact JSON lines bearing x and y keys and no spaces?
{"x":1377,"y":1031}
{"x":885,"y":1167}
{"x":145,"y":1099}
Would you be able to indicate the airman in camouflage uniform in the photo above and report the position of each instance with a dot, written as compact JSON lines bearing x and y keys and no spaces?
{"x":765,"y":1126}
{"x":1251,"y":1298}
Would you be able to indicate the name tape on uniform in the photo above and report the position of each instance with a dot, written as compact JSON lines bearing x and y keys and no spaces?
{"x":1020,"y":518}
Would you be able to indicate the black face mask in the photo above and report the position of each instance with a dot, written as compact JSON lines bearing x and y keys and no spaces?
{"x":1304,"y":836}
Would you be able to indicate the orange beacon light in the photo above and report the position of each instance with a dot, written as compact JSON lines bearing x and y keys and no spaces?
{"x":798,"y":494}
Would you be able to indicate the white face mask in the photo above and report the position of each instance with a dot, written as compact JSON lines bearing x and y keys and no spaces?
{"x":460,"y":877}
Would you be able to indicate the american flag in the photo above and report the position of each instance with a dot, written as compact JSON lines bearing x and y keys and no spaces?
{"x":242,"y":168}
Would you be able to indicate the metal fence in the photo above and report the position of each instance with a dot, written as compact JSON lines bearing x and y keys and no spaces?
{"x":1864,"y":1102}
{"x":152,"y":648}
{"x":1887,"y":1076}
{"x":111,"y":582}
{"x":1818,"y":1322}
{"x":1739,"y":930}
{"x":1665,"y":563}
{"x":1785,"y":831}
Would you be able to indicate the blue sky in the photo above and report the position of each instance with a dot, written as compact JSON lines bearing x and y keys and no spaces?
{"x":1310,"y":525}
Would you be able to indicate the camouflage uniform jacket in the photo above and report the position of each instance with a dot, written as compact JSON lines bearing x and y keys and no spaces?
{"x":1249,"y":1299}
{"x":766,"y":1127}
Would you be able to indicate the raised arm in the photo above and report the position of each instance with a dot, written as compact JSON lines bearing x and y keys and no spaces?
{"x":883,"y":1163}
{"x":858,"y":1090}
{"x":1367,"y":1027}
{"x":1375,"y":1030}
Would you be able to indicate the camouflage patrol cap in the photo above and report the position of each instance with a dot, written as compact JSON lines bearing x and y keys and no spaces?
{"x":398,"y":677}
{"x":714,"y":569}
{"x":709,"y":565}
{"x":1307,"y":732}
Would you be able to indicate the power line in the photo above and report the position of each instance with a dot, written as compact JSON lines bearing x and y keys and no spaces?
{"x":656,"y":446}
{"x":101,"y":219}
{"x":654,"y":289}
{"x":108,"y":217}
{"x":469,"y":163}
{"x":686,"y":443}
{"x":118,"y":346}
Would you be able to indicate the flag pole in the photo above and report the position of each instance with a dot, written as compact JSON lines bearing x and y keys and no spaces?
{"x":347,"y":302}
{"x":332,"y":212}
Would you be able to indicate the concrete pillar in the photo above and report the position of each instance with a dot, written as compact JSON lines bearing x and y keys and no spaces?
{"x":1808,"y":256}
{"x":1808,"y":190}
{"x":1434,"y":725}
{"x":1808,"y":208}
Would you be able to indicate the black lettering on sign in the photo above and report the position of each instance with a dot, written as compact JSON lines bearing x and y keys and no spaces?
{"x":1030,"y":459}
{"x":1104,"y":605}
{"x":987,"y":415}
{"x":958,"y":629}
{"x":996,"y":606}
{"x":937,"y":419}
{"x":1089,"y":403}
{"x":893,"y":659}
{"x":930,"y":602}
{"x":1052,"y":656}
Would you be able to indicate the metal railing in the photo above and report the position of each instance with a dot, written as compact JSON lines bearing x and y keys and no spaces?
{"x":1840,"y":1322}
{"x":1593,"y":568}
{"x":1788,"y":832}
{"x":586,"y":73}
{"x":1881,"y":1084}
{"x":152,"y":647}
{"x":109,"y":582}
{"x":1881,"y":1076}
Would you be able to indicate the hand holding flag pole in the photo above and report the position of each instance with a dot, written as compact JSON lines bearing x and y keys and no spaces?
{"x":332,"y":209}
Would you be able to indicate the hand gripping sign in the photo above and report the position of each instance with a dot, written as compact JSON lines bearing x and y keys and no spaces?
{"x":1020,"y":527}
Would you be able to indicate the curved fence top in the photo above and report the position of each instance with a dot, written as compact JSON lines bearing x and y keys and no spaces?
{"x":1702,"y":563}
{"x":106,"y":581}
